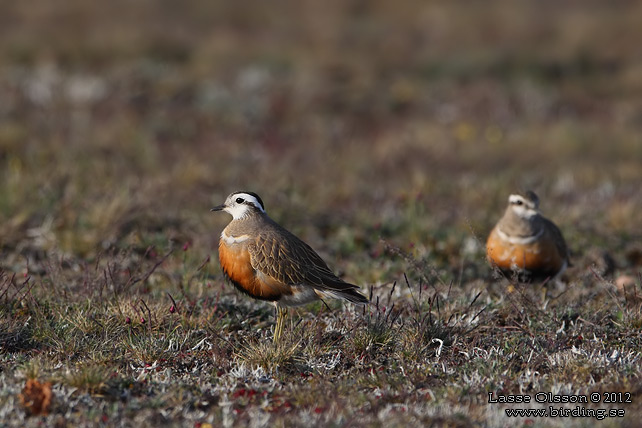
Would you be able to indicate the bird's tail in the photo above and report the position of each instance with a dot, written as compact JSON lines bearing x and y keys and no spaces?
{"x":351,"y":294}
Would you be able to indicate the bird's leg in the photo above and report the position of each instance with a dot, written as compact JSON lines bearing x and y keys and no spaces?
{"x":281,"y":314}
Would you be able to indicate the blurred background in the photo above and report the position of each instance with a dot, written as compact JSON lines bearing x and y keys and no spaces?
{"x":122,"y":123}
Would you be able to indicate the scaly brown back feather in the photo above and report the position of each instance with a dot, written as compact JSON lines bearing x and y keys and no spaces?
{"x":282,"y":256}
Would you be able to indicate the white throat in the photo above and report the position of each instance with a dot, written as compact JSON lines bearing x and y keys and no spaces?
{"x":238,"y":211}
{"x":523,"y":212}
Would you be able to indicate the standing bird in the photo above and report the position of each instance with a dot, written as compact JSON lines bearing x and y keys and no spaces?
{"x":525,"y":243}
{"x":266,"y":262}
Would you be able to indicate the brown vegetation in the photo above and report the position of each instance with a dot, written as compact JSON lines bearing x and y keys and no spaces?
{"x":387,"y":135}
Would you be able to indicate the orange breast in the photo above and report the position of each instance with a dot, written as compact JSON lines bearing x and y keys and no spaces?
{"x":235,"y":262}
{"x":539,"y":257}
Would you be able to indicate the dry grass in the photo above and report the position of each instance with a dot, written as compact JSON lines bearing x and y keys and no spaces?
{"x":388,"y":137}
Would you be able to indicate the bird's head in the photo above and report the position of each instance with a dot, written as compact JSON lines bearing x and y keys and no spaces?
{"x":524,"y":205}
{"x":241,"y":205}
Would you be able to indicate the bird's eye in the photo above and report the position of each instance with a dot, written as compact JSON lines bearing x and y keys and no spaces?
{"x":240,"y":200}
{"x":518,"y":202}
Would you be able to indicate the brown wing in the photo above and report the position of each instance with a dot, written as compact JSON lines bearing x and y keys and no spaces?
{"x":282,"y":256}
{"x":560,"y":243}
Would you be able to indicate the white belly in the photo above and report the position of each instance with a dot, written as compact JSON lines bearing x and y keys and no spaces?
{"x":301,"y":295}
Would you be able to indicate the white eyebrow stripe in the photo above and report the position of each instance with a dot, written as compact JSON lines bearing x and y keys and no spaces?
{"x":250,"y":198}
{"x":519,"y":239}
{"x":515,"y":198}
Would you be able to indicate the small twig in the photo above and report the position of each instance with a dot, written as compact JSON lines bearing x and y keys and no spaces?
{"x":205,"y":262}
{"x":8,"y":283}
{"x":474,"y":300}
{"x":151,"y":271}
{"x":394,"y":284}
{"x":26,"y":282}
{"x":173,"y":302}
{"x":149,"y":313}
